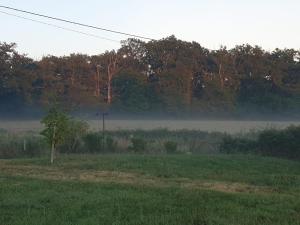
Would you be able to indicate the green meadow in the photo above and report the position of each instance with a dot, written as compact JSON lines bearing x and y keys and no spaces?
{"x":150,"y":189}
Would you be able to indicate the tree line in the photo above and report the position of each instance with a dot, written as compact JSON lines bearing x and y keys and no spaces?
{"x":168,"y":76}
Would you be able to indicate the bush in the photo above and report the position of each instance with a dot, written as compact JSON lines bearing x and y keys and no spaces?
{"x":230,"y":145}
{"x":271,"y":142}
{"x":75,"y":131}
{"x":138,"y":145}
{"x":280,"y":143}
{"x":93,"y":142}
{"x":17,"y":146}
{"x":111,"y":144}
{"x":36,"y":146}
{"x":170,"y":147}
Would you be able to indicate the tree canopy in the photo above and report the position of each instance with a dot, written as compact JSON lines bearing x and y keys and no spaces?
{"x":167,"y":75}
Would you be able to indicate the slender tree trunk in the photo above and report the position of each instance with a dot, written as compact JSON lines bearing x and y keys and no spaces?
{"x":111,"y":71}
{"x":98,"y":82}
{"x":189,"y":94}
{"x":109,"y":91}
{"x":96,"y":85}
{"x":221,"y":76}
{"x":73,"y":76}
{"x":53,"y":145}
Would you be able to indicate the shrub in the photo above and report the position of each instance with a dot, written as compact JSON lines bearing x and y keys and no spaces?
{"x":8,"y":153}
{"x":231,"y":145}
{"x":93,"y":142}
{"x":111,"y":144}
{"x":36,"y":146}
{"x":271,"y":142}
{"x":138,"y":145}
{"x":75,"y":131}
{"x":170,"y":147}
{"x":56,"y":124}
{"x":16,"y":146}
{"x":280,"y":143}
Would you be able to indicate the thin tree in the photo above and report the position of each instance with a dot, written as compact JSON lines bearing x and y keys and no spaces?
{"x":112,"y":69}
{"x":56,"y":125}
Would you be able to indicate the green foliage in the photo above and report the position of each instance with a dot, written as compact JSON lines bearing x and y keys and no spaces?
{"x":189,"y":140}
{"x":271,"y":142}
{"x":35,"y":146}
{"x":132,"y":94}
{"x":94,"y":142}
{"x":79,"y":140}
{"x":138,"y":145}
{"x":16,"y":77}
{"x":56,"y":126}
{"x":111,"y":144}
{"x":265,"y":96}
{"x":164,"y":76}
{"x":230,"y":145}
{"x":75,"y":131}
{"x":280,"y":143}
{"x":20,"y":146}
{"x":170,"y":147}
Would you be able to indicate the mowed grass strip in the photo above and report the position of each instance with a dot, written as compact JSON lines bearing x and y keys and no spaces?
{"x":137,"y":189}
{"x":117,"y":177}
{"x":252,"y":170}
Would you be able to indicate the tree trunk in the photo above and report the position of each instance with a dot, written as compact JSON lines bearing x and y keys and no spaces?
{"x":98,"y":82}
{"x":109,"y":91}
{"x":111,"y":71}
{"x":221,"y":76}
{"x":53,"y":145}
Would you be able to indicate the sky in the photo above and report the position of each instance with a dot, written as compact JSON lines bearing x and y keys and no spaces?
{"x":268,"y":23}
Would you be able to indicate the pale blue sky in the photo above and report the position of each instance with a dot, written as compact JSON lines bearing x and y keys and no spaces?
{"x":267,"y":23}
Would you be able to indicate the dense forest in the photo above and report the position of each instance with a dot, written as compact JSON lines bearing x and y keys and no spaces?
{"x":168,"y":76}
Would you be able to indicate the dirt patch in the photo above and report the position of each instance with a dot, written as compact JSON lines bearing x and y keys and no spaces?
{"x":54,"y":173}
{"x":228,"y":187}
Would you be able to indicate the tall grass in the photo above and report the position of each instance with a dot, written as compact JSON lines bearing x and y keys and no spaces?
{"x":123,"y":141}
{"x":22,"y":145}
{"x":271,"y":142}
{"x":187,"y":141}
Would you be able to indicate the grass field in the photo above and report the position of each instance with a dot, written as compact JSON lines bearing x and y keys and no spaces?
{"x":138,"y":189}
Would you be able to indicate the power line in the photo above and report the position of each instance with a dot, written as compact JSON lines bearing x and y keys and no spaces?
{"x":76,"y":23}
{"x":59,"y":27}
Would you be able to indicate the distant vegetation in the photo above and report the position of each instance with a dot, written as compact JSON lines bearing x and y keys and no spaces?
{"x":166,"y":76}
{"x":161,"y":141}
{"x":271,"y":142}
{"x":77,"y":139}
